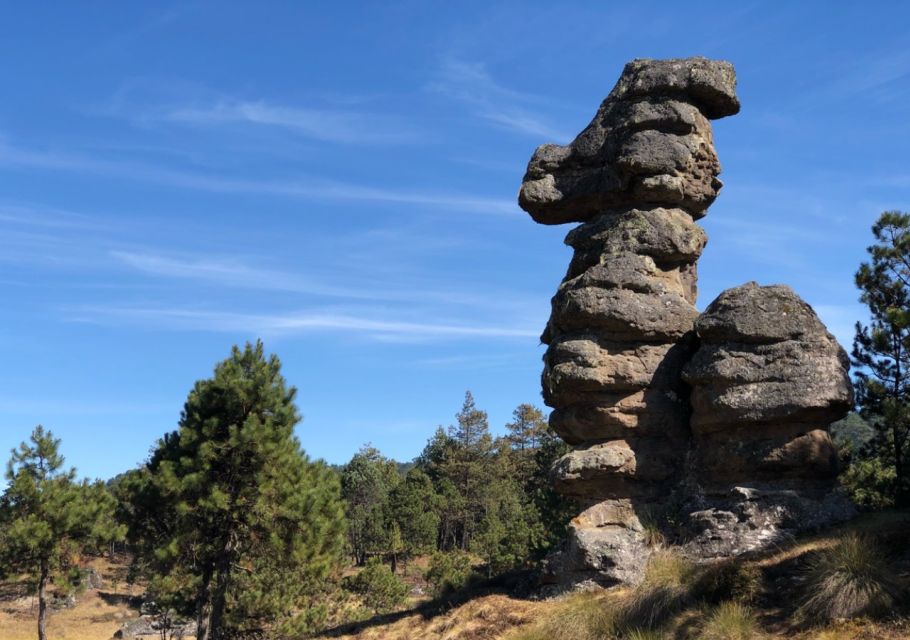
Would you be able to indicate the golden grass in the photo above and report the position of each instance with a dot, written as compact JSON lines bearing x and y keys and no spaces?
{"x":730,"y":621}
{"x":93,"y":617}
{"x":485,"y":618}
{"x":579,"y":616}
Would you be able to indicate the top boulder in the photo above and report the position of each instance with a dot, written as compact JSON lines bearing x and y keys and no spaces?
{"x":650,"y":144}
{"x":710,"y":85}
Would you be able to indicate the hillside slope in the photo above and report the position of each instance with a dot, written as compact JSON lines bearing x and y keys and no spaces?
{"x":500,"y":616}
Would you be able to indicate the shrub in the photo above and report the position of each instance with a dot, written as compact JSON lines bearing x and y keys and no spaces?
{"x":870,"y":482}
{"x":380,"y":589}
{"x":449,"y":571}
{"x":730,"y":621}
{"x":665,"y":591}
{"x":850,"y":579}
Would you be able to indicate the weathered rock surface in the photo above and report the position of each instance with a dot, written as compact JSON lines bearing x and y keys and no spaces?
{"x":715,"y":422}
{"x":767,"y":382}
{"x":146,"y":627}
{"x":650,"y":143}
{"x":622,"y":321}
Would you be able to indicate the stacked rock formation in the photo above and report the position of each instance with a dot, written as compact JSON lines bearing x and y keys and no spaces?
{"x":622,"y":322}
{"x":767,"y":381}
{"x":622,"y":328}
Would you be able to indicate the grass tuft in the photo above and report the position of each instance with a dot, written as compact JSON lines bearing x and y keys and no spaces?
{"x":848,"y":580}
{"x":729,"y":580}
{"x":641,"y":634}
{"x":730,"y":621}
{"x":580,"y":616}
{"x":665,"y":591}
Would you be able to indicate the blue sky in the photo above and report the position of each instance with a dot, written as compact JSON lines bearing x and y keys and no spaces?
{"x":340,"y":180}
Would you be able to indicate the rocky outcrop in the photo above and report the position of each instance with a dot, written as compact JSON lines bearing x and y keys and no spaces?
{"x":767,"y":381}
{"x":622,"y":323}
{"x":650,"y":142}
{"x":625,"y":341}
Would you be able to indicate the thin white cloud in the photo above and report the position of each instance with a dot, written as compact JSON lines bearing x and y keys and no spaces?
{"x":234,"y":273}
{"x":471,"y":84}
{"x":291,"y":323}
{"x":39,"y":216}
{"x":308,"y":189}
{"x":346,"y":127}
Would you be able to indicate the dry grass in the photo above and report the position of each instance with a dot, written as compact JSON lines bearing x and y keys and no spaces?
{"x":665,"y":591}
{"x":92,"y":619}
{"x":96,"y":616}
{"x":484,"y":618}
{"x":697,"y":594}
{"x":580,"y":616}
{"x":730,"y":621}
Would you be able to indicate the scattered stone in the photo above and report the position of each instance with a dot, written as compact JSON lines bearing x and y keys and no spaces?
{"x":148,"y":626}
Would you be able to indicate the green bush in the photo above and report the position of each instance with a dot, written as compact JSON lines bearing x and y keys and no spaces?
{"x":851,"y":579}
{"x":449,"y":571}
{"x":380,"y":589}
{"x":870,"y":482}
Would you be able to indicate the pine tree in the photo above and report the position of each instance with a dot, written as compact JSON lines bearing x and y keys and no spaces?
{"x":47,"y":518}
{"x":528,"y":427}
{"x":367,"y":482}
{"x":415,"y":508}
{"x":881,"y":350}
{"x":243,"y":528}
{"x":433,"y":461}
{"x":467,"y":467}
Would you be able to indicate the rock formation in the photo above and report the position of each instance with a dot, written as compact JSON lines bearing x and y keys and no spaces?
{"x":767,"y":381}
{"x":622,"y":341}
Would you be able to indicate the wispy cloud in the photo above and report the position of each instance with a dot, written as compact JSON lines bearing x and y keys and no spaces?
{"x":471,"y":84}
{"x":235,"y":273}
{"x":291,"y":323}
{"x":21,"y":214}
{"x":327,"y":125}
{"x":304,"y":188}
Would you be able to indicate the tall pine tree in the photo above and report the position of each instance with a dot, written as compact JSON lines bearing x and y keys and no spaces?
{"x":247,"y":528}
{"x":881,"y":350}
{"x":467,"y":467}
{"x":47,"y":517}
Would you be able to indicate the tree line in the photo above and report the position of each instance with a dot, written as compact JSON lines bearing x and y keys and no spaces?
{"x":467,"y":491}
{"x":231,"y":525}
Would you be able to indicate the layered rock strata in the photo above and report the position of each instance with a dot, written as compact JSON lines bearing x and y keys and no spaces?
{"x":747,"y":459}
{"x":621,"y":327}
{"x":768,"y":379}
